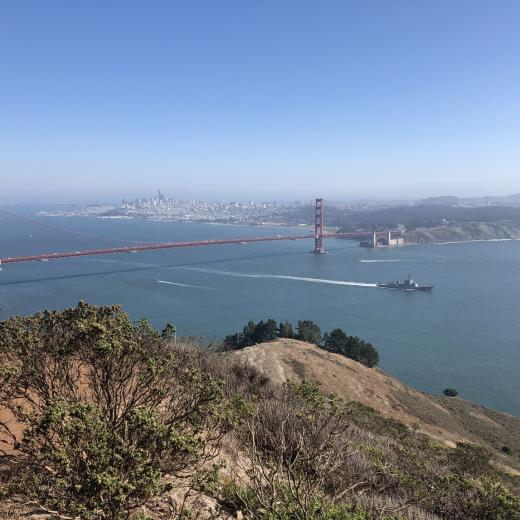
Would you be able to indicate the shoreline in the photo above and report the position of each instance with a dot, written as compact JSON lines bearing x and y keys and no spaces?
{"x":303,"y":227}
{"x":451,"y":242}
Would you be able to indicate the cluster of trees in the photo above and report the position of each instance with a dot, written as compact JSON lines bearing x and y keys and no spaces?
{"x":306,"y":330}
{"x":269,"y":330}
{"x":352,"y":347}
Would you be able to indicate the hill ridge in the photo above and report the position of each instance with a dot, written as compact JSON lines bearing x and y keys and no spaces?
{"x":446,"y":419}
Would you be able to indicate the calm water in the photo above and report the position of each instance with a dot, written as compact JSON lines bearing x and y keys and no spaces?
{"x":465,"y":334}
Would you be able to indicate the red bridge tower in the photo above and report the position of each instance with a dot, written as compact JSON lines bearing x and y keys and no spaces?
{"x":318,"y":227}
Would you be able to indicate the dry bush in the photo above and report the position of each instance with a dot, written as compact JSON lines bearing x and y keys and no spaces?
{"x":238,"y":376}
{"x":296,"y":450}
{"x":380,"y":505}
{"x":309,"y":456}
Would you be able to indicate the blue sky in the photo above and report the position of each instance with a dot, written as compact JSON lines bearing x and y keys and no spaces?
{"x":265,"y":98}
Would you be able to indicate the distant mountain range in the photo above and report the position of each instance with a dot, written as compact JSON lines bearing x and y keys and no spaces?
{"x":449,"y":200}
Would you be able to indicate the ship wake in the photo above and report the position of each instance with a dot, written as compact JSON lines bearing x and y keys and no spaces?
{"x":167,"y":282}
{"x":283,"y":277}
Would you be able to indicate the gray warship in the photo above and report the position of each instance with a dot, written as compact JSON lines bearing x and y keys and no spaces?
{"x":408,"y":285}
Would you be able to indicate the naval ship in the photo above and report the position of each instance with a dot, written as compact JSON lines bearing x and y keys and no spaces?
{"x":408,"y":285}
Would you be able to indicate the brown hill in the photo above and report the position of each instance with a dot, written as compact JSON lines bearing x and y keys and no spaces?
{"x":447,"y":419}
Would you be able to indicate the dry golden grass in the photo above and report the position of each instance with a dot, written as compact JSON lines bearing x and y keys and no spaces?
{"x":446,"y":419}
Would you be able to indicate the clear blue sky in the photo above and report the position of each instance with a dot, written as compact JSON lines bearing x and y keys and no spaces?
{"x":278,"y":98}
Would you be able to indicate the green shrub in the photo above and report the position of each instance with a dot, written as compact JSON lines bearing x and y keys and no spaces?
{"x":107,"y":406}
{"x":450,"y":392}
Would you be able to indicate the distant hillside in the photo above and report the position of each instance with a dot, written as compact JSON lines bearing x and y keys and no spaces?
{"x":413,"y":217}
{"x":508,"y":200}
{"x":442,"y":201}
{"x":505,"y":230}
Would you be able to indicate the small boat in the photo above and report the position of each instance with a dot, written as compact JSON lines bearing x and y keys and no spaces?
{"x":408,"y":285}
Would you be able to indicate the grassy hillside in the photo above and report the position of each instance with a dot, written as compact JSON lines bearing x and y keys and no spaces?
{"x":443,"y":418}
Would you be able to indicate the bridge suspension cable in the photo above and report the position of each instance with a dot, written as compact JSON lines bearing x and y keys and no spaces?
{"x":68,"y":230}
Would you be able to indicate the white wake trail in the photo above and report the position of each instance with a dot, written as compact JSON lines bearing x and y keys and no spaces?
{"x":187,"y":285}
{"x":283,"y":277}
{"x":384,"y":261}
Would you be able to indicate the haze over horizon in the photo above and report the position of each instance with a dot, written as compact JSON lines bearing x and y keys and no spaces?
{"x":283,"y":100}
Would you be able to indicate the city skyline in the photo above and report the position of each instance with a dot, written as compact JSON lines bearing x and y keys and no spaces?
{"x":259,"y":100}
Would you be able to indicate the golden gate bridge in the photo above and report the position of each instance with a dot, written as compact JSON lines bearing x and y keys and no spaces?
{"x":318,"y":236}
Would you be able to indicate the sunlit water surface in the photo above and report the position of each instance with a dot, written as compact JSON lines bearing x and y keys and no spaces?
{"x":465,"y":334}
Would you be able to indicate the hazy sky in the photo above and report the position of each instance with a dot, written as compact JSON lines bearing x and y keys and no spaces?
{"x":278,"y":98}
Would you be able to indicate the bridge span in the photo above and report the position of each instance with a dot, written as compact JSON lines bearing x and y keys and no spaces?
{"x":319,"y":235}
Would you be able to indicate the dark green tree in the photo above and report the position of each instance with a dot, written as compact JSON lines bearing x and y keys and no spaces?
{"x":169,"y":332}
{"x":450,"y":392}
{"x":252,"y":333}
{"x":307,"y":330}
{"x":233,"y":341}
{"x":248,"y":336}
{"x":363,"y":352}
{"x":286,"y":330}
{"x":336,"y":340}
{"x":351,"y":347}
{"x":266,"y":331}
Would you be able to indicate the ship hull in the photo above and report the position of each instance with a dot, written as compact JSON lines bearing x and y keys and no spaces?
{"x":404,"y":287}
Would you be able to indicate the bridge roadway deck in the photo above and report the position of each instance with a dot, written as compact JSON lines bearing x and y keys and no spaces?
{"x":172,"y":245}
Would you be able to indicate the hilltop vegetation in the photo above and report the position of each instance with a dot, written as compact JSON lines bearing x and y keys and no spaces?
{"x":104,"y":418}
{"x":336,"y":341}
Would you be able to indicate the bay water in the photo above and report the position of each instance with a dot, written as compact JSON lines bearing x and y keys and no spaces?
{"x":465,"y":334}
